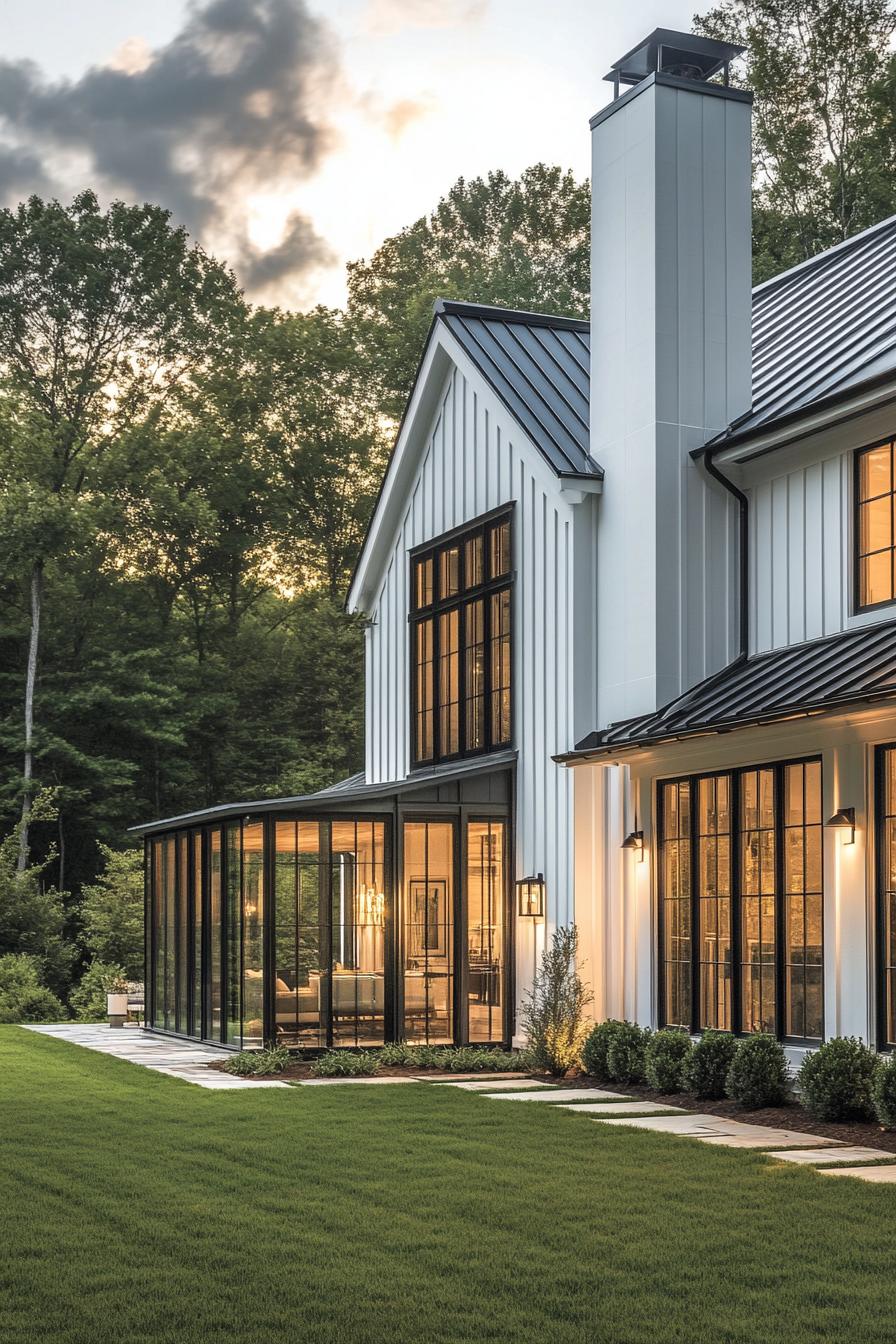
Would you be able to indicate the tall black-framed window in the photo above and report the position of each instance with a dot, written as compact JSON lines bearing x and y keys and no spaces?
{"x":741,"y":897}
{"x":885,"y":807}
{"x":461,"y":642}
{"x":875,"y":532}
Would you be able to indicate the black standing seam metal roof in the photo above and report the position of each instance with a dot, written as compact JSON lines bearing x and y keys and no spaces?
{"x":822,"y":674}
{"x":354,"y":789}
{"x":539,"y":365}
{"x":821,"y":329}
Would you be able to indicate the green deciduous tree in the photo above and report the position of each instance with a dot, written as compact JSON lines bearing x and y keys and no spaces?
{"x":112,"y":911}
{"x":521,"y":243}
{"x":101,"y":314}
{"x":823,"y":152}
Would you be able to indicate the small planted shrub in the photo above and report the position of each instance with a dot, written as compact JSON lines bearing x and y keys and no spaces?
{"x":706,"y":1067}
{"x":625,"y":1053}
{"x":469,"y":1059}
{"x":345,"y":1064}
{"x":884,"y":1093}
{"x":257,"y":1063}
{"x":758,"y":1073}
{"x":665,"y":1059}
{"x":837,"y":1080}
{"x":596,"y":1047}
{"x":553,"y":1016}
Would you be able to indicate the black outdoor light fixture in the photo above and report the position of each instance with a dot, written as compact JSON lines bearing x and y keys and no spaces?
{"x":530,"y":891}
{"x":844,"y":820}
{"x":635,"y":840}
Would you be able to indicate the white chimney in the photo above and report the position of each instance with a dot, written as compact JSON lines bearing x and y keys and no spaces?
{"x":670,"y":364}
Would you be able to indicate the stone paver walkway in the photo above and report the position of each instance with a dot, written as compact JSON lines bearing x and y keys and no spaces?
{"x":178,"y":1059}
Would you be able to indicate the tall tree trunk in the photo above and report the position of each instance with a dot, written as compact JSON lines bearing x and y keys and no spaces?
{"x":61,"y":853}
{"x":37,"y":590}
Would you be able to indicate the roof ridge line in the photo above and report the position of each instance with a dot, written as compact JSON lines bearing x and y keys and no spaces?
{"x":447,"y":307}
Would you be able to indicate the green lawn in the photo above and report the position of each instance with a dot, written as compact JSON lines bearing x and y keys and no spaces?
{"x":134,"y":1207}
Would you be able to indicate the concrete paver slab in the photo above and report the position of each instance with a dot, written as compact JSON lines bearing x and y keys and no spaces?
{"x":878,"y":1175}
{"x":810,"y":1156}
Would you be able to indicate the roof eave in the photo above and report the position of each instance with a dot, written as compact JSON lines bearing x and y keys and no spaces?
{"x":786,"y":429}
{"x":608,"y":751}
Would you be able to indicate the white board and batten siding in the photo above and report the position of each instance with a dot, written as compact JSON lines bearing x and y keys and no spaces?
{"x":475,"y":458}
{"x":802,"y":535}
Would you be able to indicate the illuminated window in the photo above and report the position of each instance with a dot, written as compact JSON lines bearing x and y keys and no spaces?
{"x":876,"y":581}
{"x":461,"y":643}
{"x":741,"y":926}
{"x":886,"y":898}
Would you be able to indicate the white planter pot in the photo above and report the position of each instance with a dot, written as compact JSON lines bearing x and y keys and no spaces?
{"x":117,"y":1005}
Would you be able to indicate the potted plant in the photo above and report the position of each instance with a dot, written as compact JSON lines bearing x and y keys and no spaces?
{"x":116,"y":1000}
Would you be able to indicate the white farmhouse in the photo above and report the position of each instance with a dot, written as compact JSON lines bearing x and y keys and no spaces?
{"x":631,"y":652}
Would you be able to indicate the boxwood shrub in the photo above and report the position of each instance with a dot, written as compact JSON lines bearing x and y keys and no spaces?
{"x":758,"y":1073}
{"x":706,"y":1067}
{"x":884,"y":1093}
{"x":596,"y":1047}
{"x":625,"y":1053}
{"x":665,"y":1059}
{"x":837,"y":1079}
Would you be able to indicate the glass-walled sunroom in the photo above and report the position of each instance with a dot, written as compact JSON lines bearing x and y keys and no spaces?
{"x":338,"y":931}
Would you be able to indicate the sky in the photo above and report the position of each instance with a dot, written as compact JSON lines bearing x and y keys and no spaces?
{"x":293,"y":136}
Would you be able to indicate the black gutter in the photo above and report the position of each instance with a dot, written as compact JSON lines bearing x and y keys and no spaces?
{"x":734,"y":437}
{"x":744,"y":547}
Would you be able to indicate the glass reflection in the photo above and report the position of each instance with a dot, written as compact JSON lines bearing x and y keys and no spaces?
{"x":485,"y":930}
{"x":428,"y":932}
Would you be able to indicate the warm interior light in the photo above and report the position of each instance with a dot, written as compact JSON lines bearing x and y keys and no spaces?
{"x":635,"y":840}
{"x":371,"y":907}
{"x":844,"y":820}
{"x":531,"y":896}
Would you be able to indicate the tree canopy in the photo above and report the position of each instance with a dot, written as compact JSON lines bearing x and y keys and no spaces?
{"x":823,"y":76}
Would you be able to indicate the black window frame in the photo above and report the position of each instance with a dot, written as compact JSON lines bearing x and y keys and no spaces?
{"x":734,"y":775}
{"x":880,"y":886}
{"x":857,"y":555}
{"x":460,"y":601}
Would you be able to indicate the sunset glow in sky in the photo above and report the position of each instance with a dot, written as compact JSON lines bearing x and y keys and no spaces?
{"x":291,"y":136}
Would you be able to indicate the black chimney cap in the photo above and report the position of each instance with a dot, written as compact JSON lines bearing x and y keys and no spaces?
{"x":683,"y":54}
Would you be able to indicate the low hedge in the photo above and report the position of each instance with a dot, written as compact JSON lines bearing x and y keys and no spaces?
{"x":596,"y":1048}
{"x":706,"y":1067}
{"x":883,"y":1093}
{"x":665,"y":1059}
{"x":625,"y":1053}
{"x":758,"y":1073}
{"x":837,"y":1080}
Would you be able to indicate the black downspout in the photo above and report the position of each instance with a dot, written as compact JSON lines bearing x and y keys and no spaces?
{"x":744,"y":545}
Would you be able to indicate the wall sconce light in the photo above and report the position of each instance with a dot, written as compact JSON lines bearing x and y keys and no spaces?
{"x":845,"y":820}
{"x":530,"y":896}
{"x":635,"y":840}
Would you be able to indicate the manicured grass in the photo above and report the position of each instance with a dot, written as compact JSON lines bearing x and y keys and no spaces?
{"x":137,"y":1208}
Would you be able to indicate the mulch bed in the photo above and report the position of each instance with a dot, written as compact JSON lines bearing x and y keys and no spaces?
{"x":866,"y":1133}
{"x":300,"y":1070}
